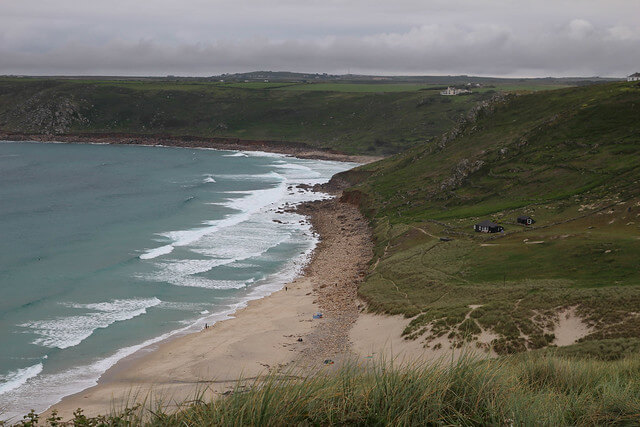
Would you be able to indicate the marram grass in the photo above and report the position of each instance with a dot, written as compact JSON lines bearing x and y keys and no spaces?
{"x":522,"y":390}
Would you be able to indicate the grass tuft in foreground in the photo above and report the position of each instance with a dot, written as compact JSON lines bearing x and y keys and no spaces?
{"x":523,"y":390}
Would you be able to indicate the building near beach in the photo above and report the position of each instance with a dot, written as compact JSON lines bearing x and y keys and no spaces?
{"x":487,"y":226}
{"x":635,"y":77}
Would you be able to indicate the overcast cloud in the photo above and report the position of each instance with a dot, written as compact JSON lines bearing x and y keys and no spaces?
{"x":198,"y":37}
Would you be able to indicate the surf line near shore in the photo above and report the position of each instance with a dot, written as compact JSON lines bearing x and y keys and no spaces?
{"x":292,"y":175}
{"x":271,"y":333}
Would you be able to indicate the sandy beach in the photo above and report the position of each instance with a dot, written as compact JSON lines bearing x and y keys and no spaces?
{"x":269,"y":334}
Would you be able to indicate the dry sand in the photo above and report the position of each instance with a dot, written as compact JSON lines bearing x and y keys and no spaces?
{"x":569,"y":328}
{"x":377,"y":338}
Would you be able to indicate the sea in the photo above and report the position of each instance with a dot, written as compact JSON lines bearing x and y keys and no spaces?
{"x":108,"y":249}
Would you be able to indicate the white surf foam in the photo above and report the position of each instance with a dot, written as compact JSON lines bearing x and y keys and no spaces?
{"x":225,"y":242}
{"x":237,"y":264}
{"x":19,"y":377}
{"x":252,"y":202}
{"x":251,"y":239}
{"x":200,"y":282}
{"x":297,"y":167}
{"x":68,"y":331}
{"x":156,"y":252}
{"x":272,"y":176}
{"x":40,"y":392}
{"x":208,"y":179}
{"x":184,"y":306}
{"x":263,"y":154}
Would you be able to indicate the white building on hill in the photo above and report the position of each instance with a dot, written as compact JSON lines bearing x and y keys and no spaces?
{"x":635,"y":77}
{"x":450,"y":91}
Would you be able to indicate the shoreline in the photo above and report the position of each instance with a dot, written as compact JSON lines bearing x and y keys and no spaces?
{"x":259,"y":338}
{"x":295,"y":149}
{"x":151,"y":347}
{"x":262,"y":336}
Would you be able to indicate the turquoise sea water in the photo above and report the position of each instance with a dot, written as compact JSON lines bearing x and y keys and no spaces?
{"x":105,"y":249}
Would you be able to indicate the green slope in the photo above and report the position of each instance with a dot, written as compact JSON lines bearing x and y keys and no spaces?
{"x":571,"y":159}
{"x":362,"y":119}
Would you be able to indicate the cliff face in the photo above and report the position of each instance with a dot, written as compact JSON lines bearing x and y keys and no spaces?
{"x":43,"y":114}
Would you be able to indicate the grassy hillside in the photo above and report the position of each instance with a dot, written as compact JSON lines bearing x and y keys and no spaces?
{"x":355,"y":118}
{"x":569,"y":158}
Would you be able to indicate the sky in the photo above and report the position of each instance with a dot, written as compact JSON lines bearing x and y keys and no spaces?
{"x":510,"y":38}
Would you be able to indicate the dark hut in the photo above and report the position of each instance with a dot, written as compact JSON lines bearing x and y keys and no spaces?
{"x":487,"y":226}
{"x":526,"y":220}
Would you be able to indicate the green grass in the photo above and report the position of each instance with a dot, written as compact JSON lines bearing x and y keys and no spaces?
{"x":516,"y":87}
{"x":566,"y":157}
{"x":362,"y":87}
{"x":151,"y":85}
{"x":530,"y":390}
{"x":411,"y":87}
{"x":259,"y":85}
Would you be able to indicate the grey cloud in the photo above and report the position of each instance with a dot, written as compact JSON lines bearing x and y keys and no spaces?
{"x":412,"y":37}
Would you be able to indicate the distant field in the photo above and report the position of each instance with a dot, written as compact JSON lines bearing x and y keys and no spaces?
{"x":153,"y":86}
{"x":257,"y":85}
{"x":388,"y":87}
{"x":319,"y":87}
{"x":507,"y":87}
{"x":360,"y":87}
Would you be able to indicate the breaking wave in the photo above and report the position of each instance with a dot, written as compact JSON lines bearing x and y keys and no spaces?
{"x":19,"y":377}
{"x":68,"y":331}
